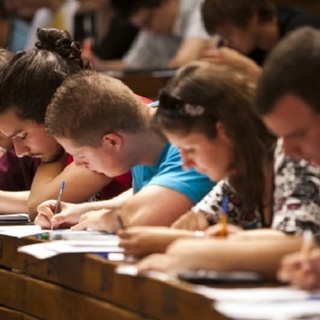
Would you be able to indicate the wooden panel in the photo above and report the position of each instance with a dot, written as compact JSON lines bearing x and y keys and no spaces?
{"x":53,"y":302}
{"x":12,"y":289}
{"x":7,"y":314}
{"x":94,"y":275}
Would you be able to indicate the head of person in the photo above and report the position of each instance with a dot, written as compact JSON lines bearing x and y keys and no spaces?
{"x":207,"y":112}
{"x":288,"y":95}
{"x":158,"y":16}
{"x":237,"y":21}
{"x":27,"y":84}
{"x":5,"y":56}
{"x":96,"y":119}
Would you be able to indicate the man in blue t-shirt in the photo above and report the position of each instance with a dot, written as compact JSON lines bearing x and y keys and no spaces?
{"x":107,"y":128}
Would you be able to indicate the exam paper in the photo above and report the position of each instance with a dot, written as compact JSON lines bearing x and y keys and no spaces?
{"x":21,"y":231}
{"x":46,"y":250}
{"x":309,"y":309}
{"x":279,"y":303}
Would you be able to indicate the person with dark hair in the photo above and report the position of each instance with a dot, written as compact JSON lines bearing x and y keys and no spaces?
{"x":258,"y":186}
{"x":288,"y":99}
{"x":27,"y":84}
{"x":171,"y":34}
{"x":109,"y":34}
{"x":100,"y":121}
{"x":16,"y":174}
{"x":252,"y":27}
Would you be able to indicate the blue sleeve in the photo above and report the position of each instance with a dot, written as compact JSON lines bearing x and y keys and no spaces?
{"x":188,"y":182}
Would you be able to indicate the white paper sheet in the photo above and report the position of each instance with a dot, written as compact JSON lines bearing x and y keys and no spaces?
{"x":270,"y":311}
{"x":46,"y":250}
{"x":21,"y":231}
{"x":279,"y":303}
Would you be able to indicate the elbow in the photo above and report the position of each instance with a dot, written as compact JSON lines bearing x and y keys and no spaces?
{"x":32,"y":209}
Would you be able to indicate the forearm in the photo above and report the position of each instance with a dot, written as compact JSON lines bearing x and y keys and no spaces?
{"x":116,"y":202}
{"x":13,"y":202}
{"x":261,"y":256}
{"x":47,"y":182}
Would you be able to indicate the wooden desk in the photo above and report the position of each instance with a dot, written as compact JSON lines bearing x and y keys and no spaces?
{"x":145,"y":83}
{"x":84,"y":286}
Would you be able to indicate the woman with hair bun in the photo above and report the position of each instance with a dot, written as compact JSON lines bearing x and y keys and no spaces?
{"x":27,"y":84}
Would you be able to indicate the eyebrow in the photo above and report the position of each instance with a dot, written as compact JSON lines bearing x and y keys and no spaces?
{"x":15,"y":133}
{"x":295,"y":133}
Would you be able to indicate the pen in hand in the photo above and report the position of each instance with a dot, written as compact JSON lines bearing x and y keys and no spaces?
{"x":57,"y":207}
{"x":224,"y":217}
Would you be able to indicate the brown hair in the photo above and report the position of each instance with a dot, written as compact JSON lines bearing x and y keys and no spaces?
{"x":215,"y":93}
{"x":216,"y":13}
{"x":89,"y":105}
{"x":293,"y":67}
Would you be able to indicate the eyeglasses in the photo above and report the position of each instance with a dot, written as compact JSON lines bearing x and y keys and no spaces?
{"x":174,"y":107}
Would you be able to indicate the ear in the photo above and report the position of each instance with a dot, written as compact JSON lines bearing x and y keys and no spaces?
{"x":222,"y":132}
{"x":112,"y":141}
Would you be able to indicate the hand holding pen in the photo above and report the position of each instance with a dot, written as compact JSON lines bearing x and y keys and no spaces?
{"x":57,"y":207}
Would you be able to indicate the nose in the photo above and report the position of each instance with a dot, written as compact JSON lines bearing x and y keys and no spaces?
{"x":20,"y":148}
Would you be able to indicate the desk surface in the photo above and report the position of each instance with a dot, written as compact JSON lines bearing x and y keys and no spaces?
{"x":84,"y":286}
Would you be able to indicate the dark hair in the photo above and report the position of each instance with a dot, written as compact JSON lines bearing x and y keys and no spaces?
{"x":95,"y":104}
{"x":31,"y":77}
{"x":216,"y":13}
{"x":127,"y":8}
{"x":209,"y":93}
{"x":293,"y":67}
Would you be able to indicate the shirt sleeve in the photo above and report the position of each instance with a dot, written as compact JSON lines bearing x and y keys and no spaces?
{"x":296,"y":195}
{"x":188,"y":182}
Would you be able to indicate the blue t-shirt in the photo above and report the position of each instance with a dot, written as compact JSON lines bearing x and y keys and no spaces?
{"x":168,"y":172}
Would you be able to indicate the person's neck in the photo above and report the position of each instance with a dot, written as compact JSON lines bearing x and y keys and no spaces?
{"x":150,"y":148}
{"x":267,"y":35}
{"x":149,"y":143}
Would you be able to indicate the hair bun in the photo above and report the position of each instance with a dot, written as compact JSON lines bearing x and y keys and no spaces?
{"x":59,"y":41}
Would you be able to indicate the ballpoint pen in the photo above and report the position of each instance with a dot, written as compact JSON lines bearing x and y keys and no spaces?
{"x":57,"y":208}
{"x":224,"y":217}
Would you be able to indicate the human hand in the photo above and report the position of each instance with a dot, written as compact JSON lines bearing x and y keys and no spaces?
{"x":296,"y":270}
{"x":69,"y":215}
{"x":215,"y":231}
{"x":176,"y":258}
{"x":233,"y":58}
{"x":141,"y":241}
{"x":100,"y":220}
{"x":191,"y":221}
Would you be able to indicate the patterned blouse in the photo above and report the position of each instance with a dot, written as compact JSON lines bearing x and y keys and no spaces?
{"x":296,"y":198}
